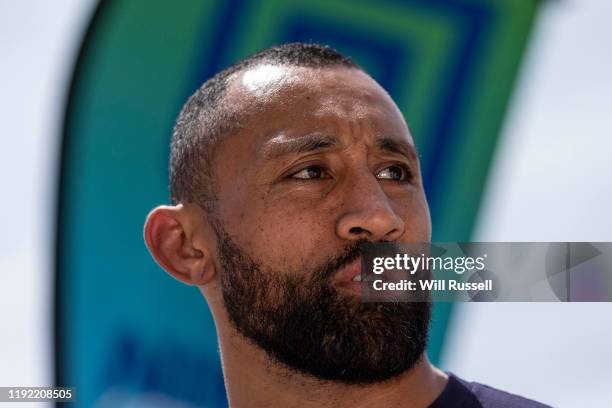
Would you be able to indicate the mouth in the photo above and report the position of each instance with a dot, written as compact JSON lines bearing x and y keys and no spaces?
{"x":348,"y":277}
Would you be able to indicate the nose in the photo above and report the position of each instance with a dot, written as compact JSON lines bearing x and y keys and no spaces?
{"x":368,"y":213}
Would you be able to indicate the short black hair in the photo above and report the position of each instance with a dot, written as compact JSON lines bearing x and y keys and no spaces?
{"x":205,"y":119}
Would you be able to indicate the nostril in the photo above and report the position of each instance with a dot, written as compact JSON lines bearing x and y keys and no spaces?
{"x":356,"y":230}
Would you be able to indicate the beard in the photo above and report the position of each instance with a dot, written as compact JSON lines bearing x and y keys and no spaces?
{"x":301,"y":321}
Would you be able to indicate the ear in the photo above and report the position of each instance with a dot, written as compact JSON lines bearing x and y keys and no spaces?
{"x":175,"y":239}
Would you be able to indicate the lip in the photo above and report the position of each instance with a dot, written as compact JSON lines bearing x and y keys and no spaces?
{"x":344,"y":276}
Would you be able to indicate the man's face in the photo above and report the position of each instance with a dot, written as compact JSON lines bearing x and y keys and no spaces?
{"x":322,"y":162}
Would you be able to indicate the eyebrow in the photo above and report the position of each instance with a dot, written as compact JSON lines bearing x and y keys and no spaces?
{"x":282,"y":145}
{"x":399,"y":147}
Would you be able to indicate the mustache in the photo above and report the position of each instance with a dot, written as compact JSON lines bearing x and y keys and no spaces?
{"x":347,"y":255}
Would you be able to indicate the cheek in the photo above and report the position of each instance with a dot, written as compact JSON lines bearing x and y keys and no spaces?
{"x":279,"y":233}
{"x":417,"y":221}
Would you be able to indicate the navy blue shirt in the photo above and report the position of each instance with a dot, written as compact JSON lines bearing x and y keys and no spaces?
{"x":462,"y":394}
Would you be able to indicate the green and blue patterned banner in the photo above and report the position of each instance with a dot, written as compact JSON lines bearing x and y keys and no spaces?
{"x":124,"y":329}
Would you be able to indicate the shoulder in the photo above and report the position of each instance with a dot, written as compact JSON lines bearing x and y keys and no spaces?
{"x":491,"y":397}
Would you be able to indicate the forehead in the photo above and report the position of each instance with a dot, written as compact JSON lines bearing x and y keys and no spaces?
{"x":292,"y":99}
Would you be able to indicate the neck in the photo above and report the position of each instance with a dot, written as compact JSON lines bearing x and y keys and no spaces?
{"x":253,"y":380}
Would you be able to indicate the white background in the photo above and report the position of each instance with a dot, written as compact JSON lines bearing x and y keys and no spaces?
{"x":39,"y":41}
{"x":551,"y":181}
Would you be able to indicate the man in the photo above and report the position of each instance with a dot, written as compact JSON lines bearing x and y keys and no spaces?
{"x":281,"y":166}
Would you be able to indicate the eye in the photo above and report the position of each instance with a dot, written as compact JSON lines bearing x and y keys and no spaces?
{"x":309,"y":173}
{"x":395,"y":173}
